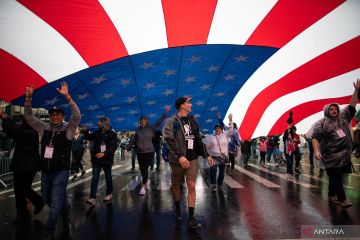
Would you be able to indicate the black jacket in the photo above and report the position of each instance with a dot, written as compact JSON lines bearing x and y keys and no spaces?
{"x":110,"y":139}
{"x":26,"y":153}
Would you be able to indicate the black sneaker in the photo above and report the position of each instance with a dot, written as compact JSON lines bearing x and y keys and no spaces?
{"x":82,"y":173}
{"x":193,"y":223}
{"x":345,"y":204}
{"x":178,"y":216}
{"x":334,"y":200}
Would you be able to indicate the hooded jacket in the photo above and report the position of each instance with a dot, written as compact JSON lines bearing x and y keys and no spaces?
{"x":334,"y":136}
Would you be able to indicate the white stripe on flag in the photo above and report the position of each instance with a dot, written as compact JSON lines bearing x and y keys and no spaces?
{"x":37,"y":44}
{"x":140,"y":24}
{"x":329,"y":32}
{"x":235,"y":20}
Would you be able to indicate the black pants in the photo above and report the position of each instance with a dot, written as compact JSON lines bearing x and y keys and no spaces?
{"x":336,"y":187}
{"x":232,"y":160}
{"x":77,"y":159}
{"x":144,"y":160}
{"x":23,"y":191}
{"x":311,"y":153}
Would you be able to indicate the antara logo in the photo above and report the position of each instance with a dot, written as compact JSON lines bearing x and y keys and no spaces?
{"x":330,"y":231}
{"x":308,"y":231}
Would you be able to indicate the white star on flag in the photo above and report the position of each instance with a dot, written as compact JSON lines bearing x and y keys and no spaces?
{"x":125,"y":82}
{"x":209,"y":121}
{"x":114,"y":108}
{"x":241,"y":58}
{"x":152,"y":115}
{"x":205,"y":87}
{"x":130,"y":100}
{"x":65,"y":105}
{"x":108,"y":95}
{"x":147,"y":65}
{"x":200,"y":103}
{"x":229,"y":77}
{"x":213,"y":109}
{"x":213,"y":68}
{"x":133,"y":112}
{"x":98,"y":80}
{"x":52,"y":101}
{"x":169,"y":72}
{"x":168,"y":92}
{"x":100,"y":116}
{"x":205,"y":130}
{"x":83,"y":96}
{"x":220,"y":94}
{"x":189,"y":79}
{"x":149,"y":85}
{"x":150,"y":103}
{"x":197,"y":115}
{"x":120,"y":119}
{"x":93,"y":107}
{"x":194,"y":59}
{"x":166,"y":106}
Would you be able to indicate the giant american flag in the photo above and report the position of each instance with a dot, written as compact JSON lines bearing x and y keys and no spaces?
{"x":257,"y":59}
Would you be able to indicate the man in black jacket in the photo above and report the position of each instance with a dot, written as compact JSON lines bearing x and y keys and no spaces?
{"x":25,"y":163}
{"x":102,"y":156}
{"x":56,"y":139}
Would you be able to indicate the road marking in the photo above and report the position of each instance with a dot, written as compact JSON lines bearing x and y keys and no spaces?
{"x":257,"y":178}
{"x":71,"y":185}
{"x":232,"y":183}
{"x":321,"y":179}
{"x":283,"y":176}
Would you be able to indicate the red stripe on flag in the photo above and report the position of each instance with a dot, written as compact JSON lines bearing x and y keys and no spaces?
{"x":15,"y":76}
{"x":287,"y":19}
{"x":188,"y":22}
{"x":312,"y":72}
{"x":303,"y":111}
{"x":85,"y":25}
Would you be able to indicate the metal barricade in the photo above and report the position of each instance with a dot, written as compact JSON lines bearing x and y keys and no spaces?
{"x":4,"y":165}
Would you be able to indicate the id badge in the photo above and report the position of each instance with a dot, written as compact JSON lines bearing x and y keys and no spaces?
{"x":190,"y":144}
{"x":49,"y":150}
{"x":340,"y":133}
{"x":102,"y":148}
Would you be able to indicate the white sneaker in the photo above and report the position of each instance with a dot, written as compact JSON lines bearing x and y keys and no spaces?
{"x":147,"y":185}
{"x":142,"y":191}
{"x":91,"y":201}
{"x":108,"y":198}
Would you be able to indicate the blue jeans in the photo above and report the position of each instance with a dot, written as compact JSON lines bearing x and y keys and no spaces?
{"x":213,"y":172}
{"x":53,"y":190}
{"x":96,"y":168}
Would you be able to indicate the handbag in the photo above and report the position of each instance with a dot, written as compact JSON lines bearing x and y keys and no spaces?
{"x":223,"y":158}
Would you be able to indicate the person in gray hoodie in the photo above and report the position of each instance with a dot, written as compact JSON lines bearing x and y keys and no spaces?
{"x":145,"y":151}
{"x":332,"y":144}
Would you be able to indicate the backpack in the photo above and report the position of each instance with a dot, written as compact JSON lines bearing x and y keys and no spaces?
{"x":164,"y":146}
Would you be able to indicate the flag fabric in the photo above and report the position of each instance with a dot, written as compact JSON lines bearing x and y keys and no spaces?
{"x":124,"y":59}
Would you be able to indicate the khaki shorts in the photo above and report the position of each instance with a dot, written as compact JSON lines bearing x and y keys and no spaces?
{"x":178,"y":172}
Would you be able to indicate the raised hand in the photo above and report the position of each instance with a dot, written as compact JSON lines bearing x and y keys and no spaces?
{"x":29,"y":91}
{"x":64,"y":90}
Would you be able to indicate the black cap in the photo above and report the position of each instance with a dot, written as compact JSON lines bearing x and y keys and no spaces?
{"x":58,"y":110}
{"x":181,"y":100}
{"x":143,"y":117}
{"x":217,"y":126}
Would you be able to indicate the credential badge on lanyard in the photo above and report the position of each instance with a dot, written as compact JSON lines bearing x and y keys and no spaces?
{"x":49,"y":149}
{"x":103,"y":147}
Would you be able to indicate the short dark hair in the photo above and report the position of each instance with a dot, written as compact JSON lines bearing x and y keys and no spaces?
{"x":58,"y":110}
{"x":181,"y":100}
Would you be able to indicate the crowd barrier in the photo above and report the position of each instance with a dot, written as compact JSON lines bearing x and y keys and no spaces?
{"x":4,"y":165}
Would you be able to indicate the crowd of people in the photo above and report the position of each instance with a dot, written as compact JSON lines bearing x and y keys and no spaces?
{"x":328,"y":140}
